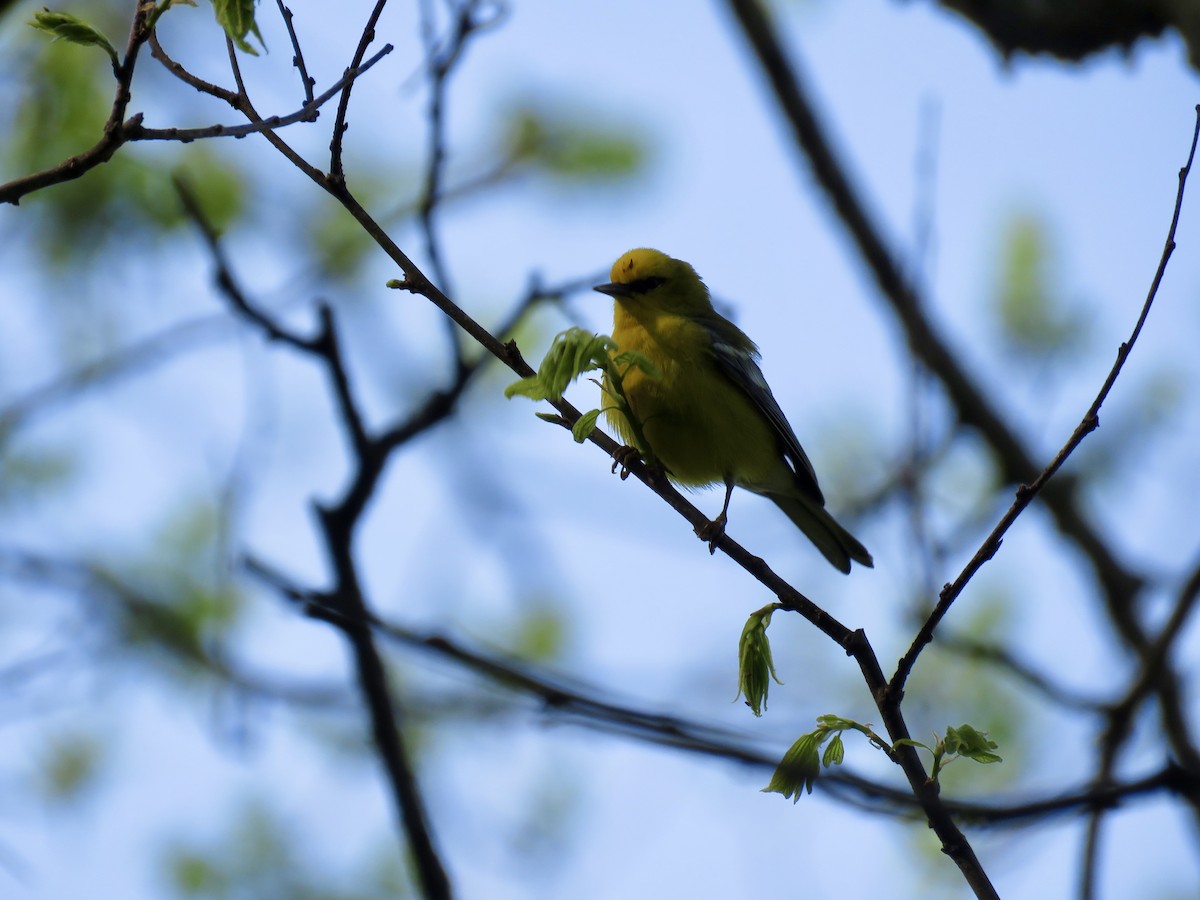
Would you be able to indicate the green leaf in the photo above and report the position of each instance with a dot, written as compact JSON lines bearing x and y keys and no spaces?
{"x":834,"y":753}
{"x":831,"y":722}
{"x":966,"y":741}
{"x":572,"y":353}
{"x":798,"y":769}
{"x":66,"y":27}
{"x":756,"y":668}
{"x":237,"y":18}
{"x":583,"y":427}
{"x":525,"y":387}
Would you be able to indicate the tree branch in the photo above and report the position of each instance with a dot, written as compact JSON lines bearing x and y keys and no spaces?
{"x":1026,"y":493}
{"x":112,"y":136}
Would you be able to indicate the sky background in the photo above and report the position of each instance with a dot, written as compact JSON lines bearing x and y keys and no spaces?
{"x":493,"y":513}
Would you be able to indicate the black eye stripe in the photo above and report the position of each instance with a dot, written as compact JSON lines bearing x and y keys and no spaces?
{"x":641,"y":285}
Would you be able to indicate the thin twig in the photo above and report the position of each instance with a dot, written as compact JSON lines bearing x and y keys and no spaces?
{"x":1026,"y":493}
{"x":309,"y":112}
{"x":336,"y":173}
{"x":298,"y":59}
{"x":440,"y":64}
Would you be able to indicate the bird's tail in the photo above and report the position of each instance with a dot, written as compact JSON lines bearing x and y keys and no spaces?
{"x":837,"y":544}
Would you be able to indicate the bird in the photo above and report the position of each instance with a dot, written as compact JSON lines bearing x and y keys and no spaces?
{"x":708,"y":415}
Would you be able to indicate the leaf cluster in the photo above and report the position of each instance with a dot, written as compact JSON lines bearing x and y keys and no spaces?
{"x":575,"y":352}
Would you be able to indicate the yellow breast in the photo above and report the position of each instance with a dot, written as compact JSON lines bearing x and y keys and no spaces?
{"x":698,"y":423}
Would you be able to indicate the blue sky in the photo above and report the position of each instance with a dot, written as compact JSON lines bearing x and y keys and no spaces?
{"x":1091,"y":150}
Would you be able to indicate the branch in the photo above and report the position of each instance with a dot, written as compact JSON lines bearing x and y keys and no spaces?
{"x":135,"y":131}
{"x":1118,"y":584}
{"x":584,"y":705}
{"x":118,"y":131}
{"x":336,"y":172}
{"x":297,"y":60}
{"x":441,"y":63}
{"x":112,"y":136}
{"x":558,"y":696}
{"x":1088,"y":424}
{"x":974,"y":408}
{"x":338,"y":524}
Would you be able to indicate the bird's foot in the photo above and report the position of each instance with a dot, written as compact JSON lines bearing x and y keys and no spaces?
{"x":712,"y":532}
{"x":623,"y":457}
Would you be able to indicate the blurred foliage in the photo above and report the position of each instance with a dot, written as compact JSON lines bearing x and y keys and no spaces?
{"x":1076,"y":29}
{"x":184,"y":603}
{"x":67,"y":98}
{"x":539,"y":633}
{"x":70,"y":766}
{"x":1034,"y":321}
{"x":576,"y":146}
{"x":948,"y":687}
{"x":961,"y":483}
{"x":336,"y":244}
{"x":261,"y":856}
{"x":28,"y":472}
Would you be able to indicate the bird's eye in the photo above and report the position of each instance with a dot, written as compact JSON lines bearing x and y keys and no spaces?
{"x":642,"y":285}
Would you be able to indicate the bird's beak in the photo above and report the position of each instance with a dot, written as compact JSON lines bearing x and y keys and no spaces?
{"x":612,"y":289}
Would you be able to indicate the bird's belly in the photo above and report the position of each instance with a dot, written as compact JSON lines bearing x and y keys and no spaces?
{"x":701,"y":427}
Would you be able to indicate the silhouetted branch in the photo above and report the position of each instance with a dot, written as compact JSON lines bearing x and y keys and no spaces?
{"x":1026,"y":493}
{"x":336,"y":173}
{"x":118,"y":131}
{"x":114,"y":128}
{"x":338,"y":524}
{"x":298,"y":59}
{"x":971,"y":403}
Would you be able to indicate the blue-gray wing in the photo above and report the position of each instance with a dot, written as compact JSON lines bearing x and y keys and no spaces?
{"x":740,"y":364}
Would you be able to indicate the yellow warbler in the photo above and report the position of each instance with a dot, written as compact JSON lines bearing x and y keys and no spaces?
{"x":709,"y":417}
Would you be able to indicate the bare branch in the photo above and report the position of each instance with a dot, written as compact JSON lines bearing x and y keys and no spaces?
{"x":440,"y":62}
{"x":297,"y":60}
{"x":307,"y":113}
{"x":1026,"y":493}
{"x":338,"y":523}
{"x":336,"y":173}
{"x":973,"y":406}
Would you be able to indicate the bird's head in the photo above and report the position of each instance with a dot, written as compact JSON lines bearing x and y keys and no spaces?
{"x":656,"y":281}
